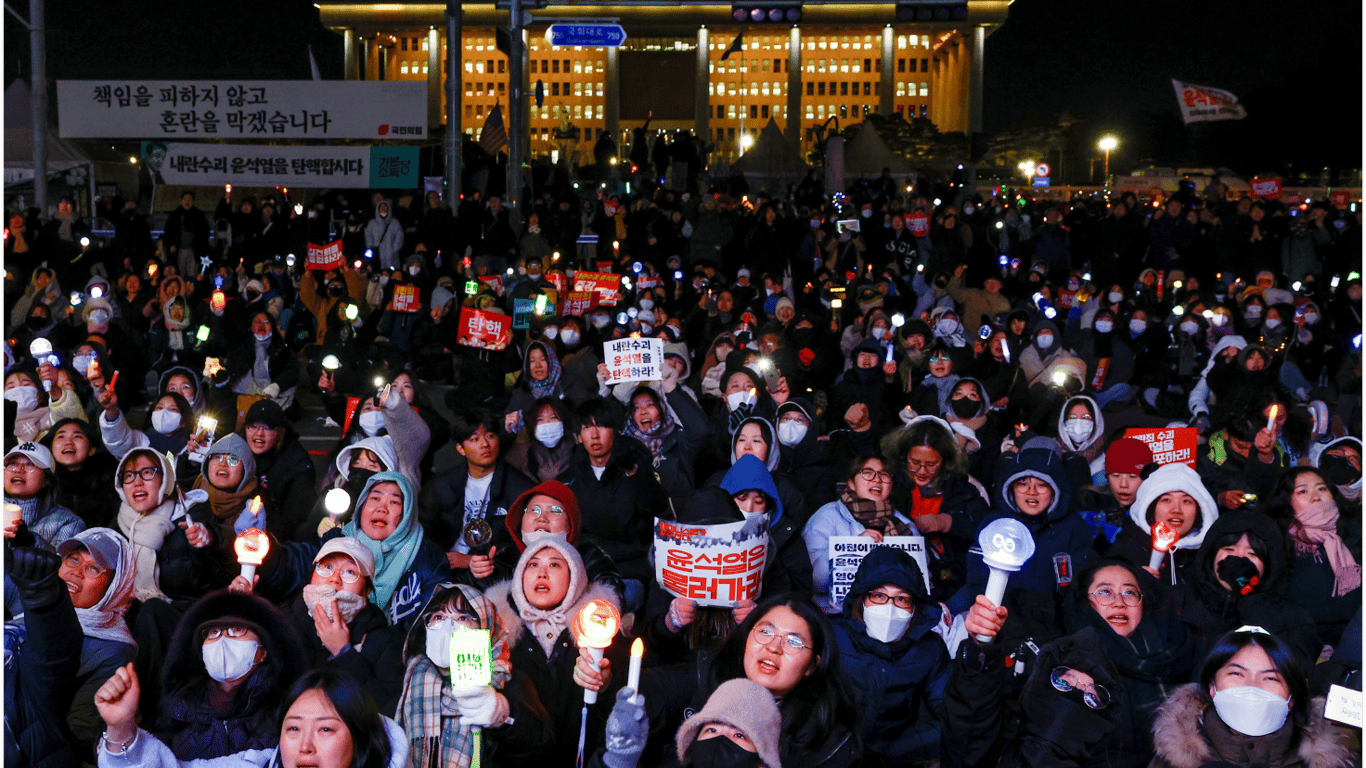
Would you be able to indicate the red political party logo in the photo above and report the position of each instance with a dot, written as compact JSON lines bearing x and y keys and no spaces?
{"x":384,"y":129}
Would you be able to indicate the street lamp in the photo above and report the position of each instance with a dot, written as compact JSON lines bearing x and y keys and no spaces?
{"x":1106,"y":144}
{"x":746,"y":141}
{"x":1027,"y":167}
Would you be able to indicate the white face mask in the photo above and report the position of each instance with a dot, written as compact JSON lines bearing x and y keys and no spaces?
{"x":1044,"y":340}
{"x":946,"y":327}
{"x":349,"y":603}
{"x":371,"y":422}
{"x":968,"y":210}
{"x":1190,"y":328}
{"x":791,"y":432}
{"x":1310,"y":318}
{"x":1251,"y":711}
{"x":549,"y":433}
{"x":25,"y":397}
{"x":866,"y":213}
{"x":531,"y":537}
{"x":99,"y":317}
{"x":751,"y":515}
{"x":1253,"y":311}
{"x":569,"y":336}
{"x":886,"y":623}
{"x":1078,"y":429}
{"x":1116,"y":297}
{"x":262,"y":336}
{"x":1138,"y":326}
{"x":229,"y":659}
{"x":165,"y":421}
{"x":383,"y":280}
{"x":1219,"y":320}
{"x":1104,"y":326}
{"x":879,"y":332}
{"x":552,"y":332}
{"x":82,"y":362}
{"x":647,"y":304}
{"x":736,"y":399}
{"x":414,"y":270}
{"x":646,"y":328}
{"x":599,"y":321}
{"x":439,"y":645}
{"x":1272,"y":323}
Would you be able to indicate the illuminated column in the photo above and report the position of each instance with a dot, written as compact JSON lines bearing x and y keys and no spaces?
{"x":350,"y":71}
{"x":794,"y":90}
{"x":612,"y":93}
{"x":701,"y":113}
{"x":433,"y":78}
{"x":979,"y":38}
{"x":937,"y":92}
{"x":886,"y":104}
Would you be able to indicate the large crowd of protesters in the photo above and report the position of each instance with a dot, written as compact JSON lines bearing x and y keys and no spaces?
{"x":904,"y":359}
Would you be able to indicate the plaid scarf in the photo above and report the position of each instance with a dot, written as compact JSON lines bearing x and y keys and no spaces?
{"x":878,"y":515}
{"x":654,"y":439}
{"x":428,"y":713}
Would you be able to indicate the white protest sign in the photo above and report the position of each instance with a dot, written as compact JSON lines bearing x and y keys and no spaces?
{"x":633,"y":359}
{"x":470,"y":665}
{"x":846,"y":552}
{"x":1343,"y":706}
{"x":718,"y":564}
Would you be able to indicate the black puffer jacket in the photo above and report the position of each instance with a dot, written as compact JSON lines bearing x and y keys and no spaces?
{"x":290,"y":484}
{"x":374,"y":657}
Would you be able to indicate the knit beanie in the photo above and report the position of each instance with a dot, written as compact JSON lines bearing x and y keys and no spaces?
{"x":745,"y":706}
{"x":1175,"y":477}
{"x":1127,"y":456}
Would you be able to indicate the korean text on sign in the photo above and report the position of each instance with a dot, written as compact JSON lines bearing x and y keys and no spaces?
{"x":607,"y":284}
{"x":716,"y":565}
{"x":846,"y":552}
{"x":578,"y":303}
{"x":1169,"y":446}
{"x":325,"y":256}
{"x":406,"y":299}
{"x":633,"y":359}
{"x":484,"y":330}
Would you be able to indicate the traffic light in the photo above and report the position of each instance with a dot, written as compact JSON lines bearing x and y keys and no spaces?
{"x":928,"y":10}
{"x":766,"y":12}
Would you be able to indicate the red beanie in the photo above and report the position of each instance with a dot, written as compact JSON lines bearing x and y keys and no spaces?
{"x":1127,"y":456}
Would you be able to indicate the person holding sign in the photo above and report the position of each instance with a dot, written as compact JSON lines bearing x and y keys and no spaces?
{"x":892,"y":657}
{"x":549,"y":587}
{"x":437,"y":713}
{"x":322,"y":295}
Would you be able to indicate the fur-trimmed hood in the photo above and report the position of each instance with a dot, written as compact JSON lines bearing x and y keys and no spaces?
{"x":501,"y":595}
{"x":1180,"y":742}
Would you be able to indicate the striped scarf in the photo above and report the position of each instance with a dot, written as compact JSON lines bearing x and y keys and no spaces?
{"x":874,"y":515}
{"x":428,"y":713}
{"x":654,"y":439}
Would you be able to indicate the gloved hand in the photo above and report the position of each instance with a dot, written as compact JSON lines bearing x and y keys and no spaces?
{"x":481,"y":706}
{"x":34,"y":573}
{"x":245,"y":519}
{"x":670,"y":380}
{"x":1201,"y":423}
{"x":627,"y":730}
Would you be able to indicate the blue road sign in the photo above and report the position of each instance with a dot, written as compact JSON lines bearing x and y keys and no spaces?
{"x":586,"y":35}
{"x":1041,"y":181}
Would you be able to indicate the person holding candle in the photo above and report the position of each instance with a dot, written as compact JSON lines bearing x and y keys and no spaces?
{"x":351,"y":470}
{"x":172,"y":534}
{"x":29,"y":488}
{"x":548,"y":589}
{"x":438,"y":717}
{"x":1242,"y":459}
{"x":228,"y":476}
{"x":1174,"y":496}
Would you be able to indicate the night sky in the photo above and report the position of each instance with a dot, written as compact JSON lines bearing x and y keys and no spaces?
{"x":1296,"y":66}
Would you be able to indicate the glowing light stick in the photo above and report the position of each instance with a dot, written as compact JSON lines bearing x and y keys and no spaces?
{"x":1271,"y":419}
{"x":336,"y":502}
{"x":352,"y":312}
{"x":331,"y":363}
{"x":594,"y":626}
{"x":219,"y":301}
{"x":633,"y":676}
{"x":1164,"y":538}
{"x":251,"y":547}
{"x":1006,"y":547}
{"x":41,"y":349}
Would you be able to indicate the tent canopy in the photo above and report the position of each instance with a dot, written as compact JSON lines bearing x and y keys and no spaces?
{"x":868,"y":154}
{"x":62,"y":155}
{"x":771,"y":155}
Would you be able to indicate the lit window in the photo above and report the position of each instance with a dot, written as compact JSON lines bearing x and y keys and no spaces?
{"x":578,"y":111}
{"x":844,"y":65}
{"x":900,"y":41}
{"x":820,"y":111}
{"x":730,"y":111}
{"x":764,"y":89}
{"x":900,"y":89}
{"x":810,"y":115}
{"x":822,"y":43}
{"x":424,"y":43}
{"x":403,"y":68}
{"x":479,"y":67}
{"x":856,"y":67}
{"x":924,"y":89}
{"x":600,"y":90}
{"x":469,"y":67}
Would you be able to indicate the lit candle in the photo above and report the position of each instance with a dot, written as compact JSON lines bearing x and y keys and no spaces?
{"x":1271,"y":419}
{"x":251,"y":546}
{"x":633,"y":676}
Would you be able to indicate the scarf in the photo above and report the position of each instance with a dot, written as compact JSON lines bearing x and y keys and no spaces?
{"x":876,"y":515}
{"x":175,"y":329}
{"x":226,"y":504}
{"x":147,"y":533}
{"x":349,"y":603}
{"x":738,"y":417}
{"x":654,"y":439}
{"x":547,"y":625}
{"x":429,"y":715}
{"x":395,"y":554}
{"x":547,"y":386}
{"x":1315,"y":527}
{"x":66,"y":219}
{"x":20,"y":245}
{"x":945,"y":387}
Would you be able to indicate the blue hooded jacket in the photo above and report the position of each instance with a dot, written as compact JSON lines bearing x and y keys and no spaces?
{"x":893,"y":679}
{"x":788,"y":569}
{"x":750,"y":474}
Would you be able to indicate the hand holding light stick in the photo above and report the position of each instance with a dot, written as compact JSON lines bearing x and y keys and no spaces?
{"x":1006,"y":546}
{"x":336,"y":502}
{"x":898,"y":320}
{"x":41,"y":349}
{"x":1164,"y":538}
{"x":251,"y":546}
{"x":594,"y":627}
{"x":1271,"y":419}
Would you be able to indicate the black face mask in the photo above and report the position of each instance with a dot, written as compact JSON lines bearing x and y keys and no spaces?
{"x":34,"y":322}
{"x":1239,"y":573}
{"x":336,"y":291}
{"x":356,"y":480}
{"x":1337,"y":469}
{"x":964,"y":408}
{"x":721,"y":752}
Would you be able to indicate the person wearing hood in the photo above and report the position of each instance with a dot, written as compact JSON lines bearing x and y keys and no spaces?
{"x":283,"y":467}
{"x":438,"y":717}
{"x":384,"y":235}
{"x":755,"y":436}
{"x":804,"y":456}
{"x":1174,"y":496}
{"x":540,"y":378}
{"x":1239,"y":577}
{"x":893,"y":658}
{"x":354,"y":466}
{"x":1325,"y":574}
{"x":168,"y":429}
{"x":1225,"y":353}
{"x":1046,"y":348}
{"x":1339,"y":460}
{"x":29,"y":487}
{"x":974,"y":428}
{"x":34,"y":410}
{"x":869,"y":381}
{"x":172,"y":534}
{"x":407,"y":565}
{"x":228,"y":476}
{"x":537,"y":606}
{"x":1108,"y":357}
{"x":672,"y":427}
{"x":326,"y":719}
{"x":1251,"y":705}
{"x":392,"y":417}
{"x":543,"y":446}
{"x":43,"y":288}
{"x":265,"y":365}
{"x":1081,"y":427}
{"x":82,"y":471}
{"x":1034,"y":490}
{"x":751,"y":486}
{"x":184,"y":381}
{"x":321,"y":294}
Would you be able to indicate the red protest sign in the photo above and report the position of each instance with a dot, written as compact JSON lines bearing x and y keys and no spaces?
{"x":1268,"y":188}
{"x":1169,"y":446}
{"x":1341,"y":199}
{"x":648,"y":281}
{"x":405,"y":299}
{"x":604,"y":266}
{"x":918,"y":223}
{"x":483,"y":330}
{"x":494,"y":283}
{"x":325,"y":256}
{"x":558,"y":280}
{"x":607,"y":285}
{"x":578,"y":303}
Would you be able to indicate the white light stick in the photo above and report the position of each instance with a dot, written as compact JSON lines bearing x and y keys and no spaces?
{"x":1006,"y":547}
{"x":336,"y":502}
{"x":251,"y":546}
{"x":41,"y":348}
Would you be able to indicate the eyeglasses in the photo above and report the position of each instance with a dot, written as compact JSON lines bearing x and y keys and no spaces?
{"x":940,"y":359}
{"x":904,"y":602}
{"x":348,"y":575}
{"x":1106,"y":596}
{"x":21,"y":465}
{"x":259,"y":427}
{"x":1093,"y":694}
{"x":439,"y":620}
{"x":870,"y":474}
{"x":763,"y":635}
{"x":226,"y":458}
{"x":930,"y":466}
{"x":92,"y":571}
{"x":146,"y":473}
{"x":233,"y":633}
{"x":537,"y":511}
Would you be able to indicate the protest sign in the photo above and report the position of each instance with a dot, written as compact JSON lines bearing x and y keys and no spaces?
{"x":1268,"y":188}
{"x":607,"y":285}
{"x":633,"y":359}
{"x":484,"y":330}
{"x":716,"y":565}
{"x":846,"y":552}
{"x":494,"y":283}
{"x":522,"y":310}
{"x":918,"y":223}
{"x":1201,"y":103}
{"x":406,"y":299}
{"x":1169,"y":446}
{"x":185,"y":163}
{"x":578,"y":303}
{"x":264,"y":109}
{"x":325,"y":257}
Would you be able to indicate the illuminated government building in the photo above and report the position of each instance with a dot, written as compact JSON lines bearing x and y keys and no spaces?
{"x":839,"y":60}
